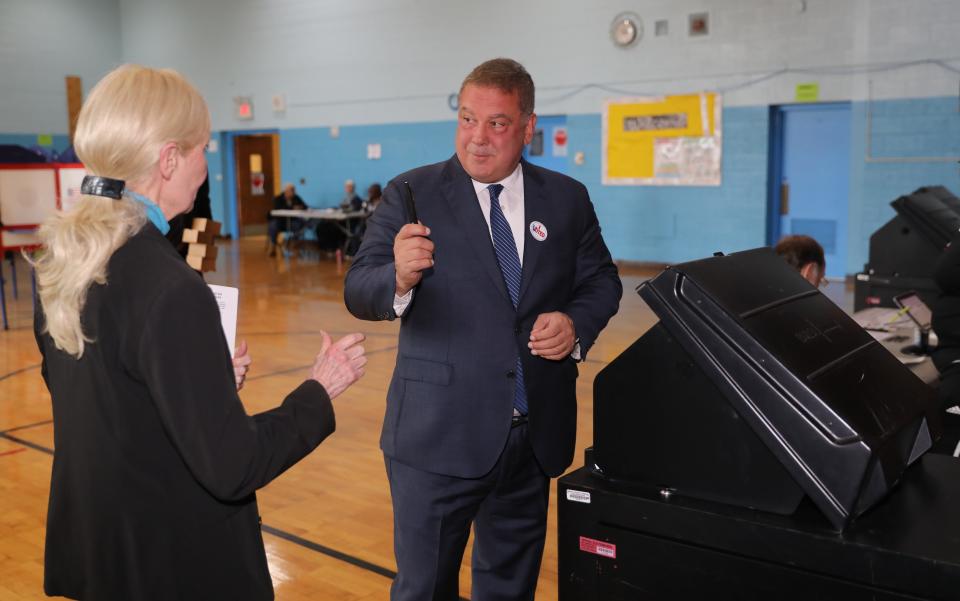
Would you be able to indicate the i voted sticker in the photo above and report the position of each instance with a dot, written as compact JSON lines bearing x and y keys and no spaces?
{"x":538,"y":231}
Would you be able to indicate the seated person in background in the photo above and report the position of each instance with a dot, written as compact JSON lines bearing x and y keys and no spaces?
{"x":359,"y":226}
{"x":374,"y":196}
{"x":330,"y":236}
{"x":805,"y":255}
{"x":946,"y":323}
{"x":350,"y":202}
{"x":287,"y":200}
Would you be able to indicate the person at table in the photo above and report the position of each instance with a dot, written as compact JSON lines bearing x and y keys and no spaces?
{"x":152,"y":495}
{"x":804,"y":254}
{"x":288,"y":199}
{"x":374,"y":196}
{"x":351,"y":201}
{"x":331,"y":235}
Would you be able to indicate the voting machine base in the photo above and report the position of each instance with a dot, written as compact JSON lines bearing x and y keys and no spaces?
{"x":637,"y":543}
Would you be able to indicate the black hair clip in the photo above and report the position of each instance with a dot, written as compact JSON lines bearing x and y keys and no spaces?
{"x":95,"y":185}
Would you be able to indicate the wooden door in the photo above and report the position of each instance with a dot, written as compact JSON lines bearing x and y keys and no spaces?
{"x":256,"y":181}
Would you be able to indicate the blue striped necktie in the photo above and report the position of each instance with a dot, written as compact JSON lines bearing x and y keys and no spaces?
{"x":509,"y":260}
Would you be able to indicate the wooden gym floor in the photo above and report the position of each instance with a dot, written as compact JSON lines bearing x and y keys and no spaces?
{"x":327,"y":522}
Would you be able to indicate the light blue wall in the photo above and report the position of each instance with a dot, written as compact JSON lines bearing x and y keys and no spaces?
{"x":324,"y":162}
{"x":915,"y":143}
{"x":668,"y":224}
{"x":673,"y":224}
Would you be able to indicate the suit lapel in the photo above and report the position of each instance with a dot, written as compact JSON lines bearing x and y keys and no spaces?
{"x":462,"y":199}
{"x":535,"y":208}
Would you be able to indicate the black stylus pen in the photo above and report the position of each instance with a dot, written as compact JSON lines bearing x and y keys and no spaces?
{"x":411,"y":205}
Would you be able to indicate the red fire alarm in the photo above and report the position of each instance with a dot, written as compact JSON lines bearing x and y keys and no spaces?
{"x":560,"y":136}
{"x":699,"y":24}
{"x":243,"y":108}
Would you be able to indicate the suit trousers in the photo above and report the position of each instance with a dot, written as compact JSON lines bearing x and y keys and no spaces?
{"x":432,"y":515}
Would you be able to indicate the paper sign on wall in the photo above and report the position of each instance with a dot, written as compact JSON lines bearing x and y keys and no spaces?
{"x":665,"y":141}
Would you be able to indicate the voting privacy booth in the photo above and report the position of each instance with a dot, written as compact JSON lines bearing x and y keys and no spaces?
{"x":904,"y":250}
{"x":757,"y":443}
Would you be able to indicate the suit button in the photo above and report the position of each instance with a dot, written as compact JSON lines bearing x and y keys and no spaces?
{"x":516,"y":331}
{"x":510,"y":374}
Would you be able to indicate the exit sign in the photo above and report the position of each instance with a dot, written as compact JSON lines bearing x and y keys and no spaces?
{"x":243,"y":108}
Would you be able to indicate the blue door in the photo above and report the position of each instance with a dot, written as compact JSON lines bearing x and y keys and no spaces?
{"x":549,"y":145}
{"x":810,"y":177}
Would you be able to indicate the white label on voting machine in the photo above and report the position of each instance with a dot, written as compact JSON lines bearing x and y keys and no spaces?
{"x":580,"y":496}
{"x":227,"y":299}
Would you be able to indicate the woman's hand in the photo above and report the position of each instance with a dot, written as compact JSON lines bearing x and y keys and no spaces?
{"x":339,"y":364}
{"x":241,"y":364}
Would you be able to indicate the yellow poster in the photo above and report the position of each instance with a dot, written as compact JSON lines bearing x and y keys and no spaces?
{"x":671,"y":140}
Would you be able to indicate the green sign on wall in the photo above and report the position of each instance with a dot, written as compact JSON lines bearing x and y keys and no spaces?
{"x":807,"y":92}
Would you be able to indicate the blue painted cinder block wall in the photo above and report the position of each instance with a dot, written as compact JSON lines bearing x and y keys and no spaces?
{"x":911,"y":143}
{"x":324,"y":162}
{"x":673,"y":224}
{"x":668,"y":224}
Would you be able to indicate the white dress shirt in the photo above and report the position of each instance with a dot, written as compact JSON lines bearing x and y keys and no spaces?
{"x":511,"y":201}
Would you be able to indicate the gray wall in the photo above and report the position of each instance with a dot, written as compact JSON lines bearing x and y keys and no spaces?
{"x":41,"y":42}
{"x":404,"y":57}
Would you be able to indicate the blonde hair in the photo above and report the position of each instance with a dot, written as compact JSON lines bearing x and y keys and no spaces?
{"x":128,"y":117}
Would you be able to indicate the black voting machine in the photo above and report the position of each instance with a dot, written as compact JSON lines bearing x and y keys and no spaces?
{"x":756,"y":443}
{"x":903,"y":251}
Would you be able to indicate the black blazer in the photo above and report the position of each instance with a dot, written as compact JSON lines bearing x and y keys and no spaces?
{"x":450,"y":402}
{"x":156,"y":462}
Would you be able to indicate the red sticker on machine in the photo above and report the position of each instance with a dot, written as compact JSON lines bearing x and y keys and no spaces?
{"x":598,"y":547}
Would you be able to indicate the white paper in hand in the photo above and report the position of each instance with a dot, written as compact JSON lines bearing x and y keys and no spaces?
{"x":227,"y":299}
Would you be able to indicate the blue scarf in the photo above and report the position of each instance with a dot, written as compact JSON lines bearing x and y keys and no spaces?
{"x":154,"y":214}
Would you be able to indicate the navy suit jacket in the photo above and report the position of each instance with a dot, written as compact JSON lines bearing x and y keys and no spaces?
{"x":450,"y":402}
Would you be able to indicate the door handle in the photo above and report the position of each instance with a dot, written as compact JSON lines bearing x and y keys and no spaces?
{"x":784,"y":197}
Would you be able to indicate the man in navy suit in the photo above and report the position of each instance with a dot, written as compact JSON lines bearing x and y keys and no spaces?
{"x":502,"y":287}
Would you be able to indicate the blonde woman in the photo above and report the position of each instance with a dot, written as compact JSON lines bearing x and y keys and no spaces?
{"x":152,"y":493}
